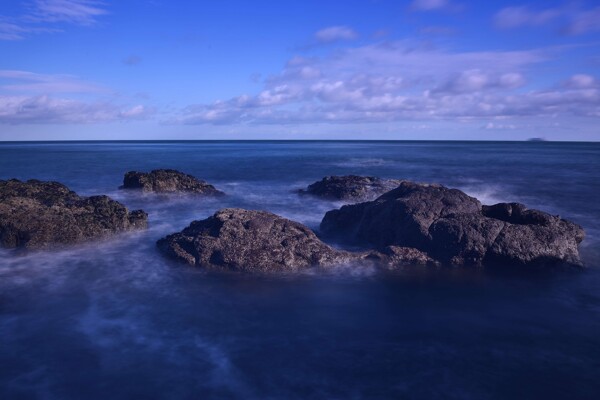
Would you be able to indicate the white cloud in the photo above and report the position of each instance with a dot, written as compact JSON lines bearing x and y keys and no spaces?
{"x":79,"y":12}
{"x":399,"y":81}
{"x":476,"y":80}
{"x":429,"y":5}
{"x":13,"y":31}
{"x":498,"y":126}
{"x":584,"y":22}
{"x":10,"y":31}
{"x":335,"y":33}
{"x":436,"y":5}
{"x":43,"y":16}
{"x":33,"y":98}
{"x":138,"y":111}
{"x":515,"y":17}
{"x":49,"y":110}
{"x":570,"y":19}
{"x":581,"y":81}
{"x":25,"y":81}
{"x":408,"y":58}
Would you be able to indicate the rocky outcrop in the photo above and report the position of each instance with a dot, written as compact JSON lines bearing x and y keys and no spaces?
{"x":456,"y":229}
{"x":36,"y":214}
{"x":259,"y":241}
{"x":168,"y":181}
{"x":350,"y":187}
{"x":394,"y":257}
{"x":246,"y":240}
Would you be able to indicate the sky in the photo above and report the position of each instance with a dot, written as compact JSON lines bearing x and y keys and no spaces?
{"x":327,"y":69}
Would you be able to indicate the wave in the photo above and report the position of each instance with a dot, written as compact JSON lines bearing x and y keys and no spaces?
{"x":489,"y":194}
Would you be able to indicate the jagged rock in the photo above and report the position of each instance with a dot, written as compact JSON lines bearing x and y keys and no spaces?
{"x":167,"y":181}
{"x":350,"y":187}
{"x":246,"y":240}
{"x":399,"y":217}
{"x":395,"y":256}
{"x":455,"y":228}
{"x":36,"y":214}
{"x":259,"y":241}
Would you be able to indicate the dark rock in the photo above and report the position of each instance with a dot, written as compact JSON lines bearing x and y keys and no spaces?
{"x":463,"y":239}
{"x":517,"y":213}
{"x":167,"y":181}
{"x":395,"y":256}
{"x":36,"y":214}
{"x":259,"y":241}
{"x":350,"y":187}
{"x":399,"y":217}
{"x":538,"y":244}
{"x":454,"y":228}
{"x":245,"y":240}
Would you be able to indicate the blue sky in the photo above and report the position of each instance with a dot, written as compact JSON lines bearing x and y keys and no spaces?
{"x":379,"y":69}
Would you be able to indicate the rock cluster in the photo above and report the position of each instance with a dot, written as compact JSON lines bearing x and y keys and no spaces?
{"x":425,"y":224}
{"x":456,"y":229}
{"x":259,"y":241}
{"x":37,"y":214}
{"x":350,"y":187}
{"x":168,"y":181}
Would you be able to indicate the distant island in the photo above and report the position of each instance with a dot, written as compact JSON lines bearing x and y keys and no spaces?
{"x":536,"y":139}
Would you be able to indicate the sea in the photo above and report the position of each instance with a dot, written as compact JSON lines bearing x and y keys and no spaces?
{"x":114,"y":319}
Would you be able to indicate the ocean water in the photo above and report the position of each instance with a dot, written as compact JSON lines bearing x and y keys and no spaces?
{"x":115,"y":320}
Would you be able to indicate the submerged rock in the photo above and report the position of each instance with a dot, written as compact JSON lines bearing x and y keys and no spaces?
{"x":259,"y":241}
{"x":456,"y":229}
{"x":167,"y":181}
{"x":36,"y":214}
{"x":350,"y":187}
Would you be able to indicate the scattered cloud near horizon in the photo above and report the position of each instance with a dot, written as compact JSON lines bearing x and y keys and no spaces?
{"x":394,"y":81}
{"x":22,"y":103}
{"x":45,"y":109}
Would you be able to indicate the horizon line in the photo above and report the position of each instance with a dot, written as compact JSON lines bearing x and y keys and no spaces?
{"x":530,"y":140}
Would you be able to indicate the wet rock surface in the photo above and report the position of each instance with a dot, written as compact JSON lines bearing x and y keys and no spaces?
{"x":37,"y":214}
{"x":247,"y":240}
{"x":168,"y":181}
{"x":456,"y":229}
{"x":259,"y":241}
{"x":350,"y":187}
{"x":394,"y":257}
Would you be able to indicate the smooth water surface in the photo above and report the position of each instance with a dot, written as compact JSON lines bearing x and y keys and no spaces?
{"x":115,"y":320}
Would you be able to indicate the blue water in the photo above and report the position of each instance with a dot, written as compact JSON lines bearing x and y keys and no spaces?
{"x":115,"y":320}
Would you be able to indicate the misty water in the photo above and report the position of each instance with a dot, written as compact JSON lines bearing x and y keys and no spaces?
{"x":116,"y":320}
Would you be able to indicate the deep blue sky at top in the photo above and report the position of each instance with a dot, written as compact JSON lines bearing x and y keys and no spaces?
{"x":439,"y":69}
